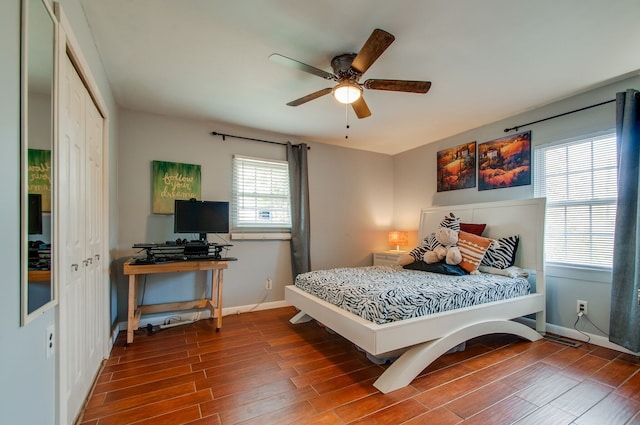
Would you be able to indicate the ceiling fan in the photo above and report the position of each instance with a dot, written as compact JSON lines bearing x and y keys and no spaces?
{"x":347,"y":70}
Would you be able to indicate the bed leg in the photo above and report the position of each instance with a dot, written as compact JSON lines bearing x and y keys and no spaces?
{"x":541,"y":322}
{"x":301,"y":317}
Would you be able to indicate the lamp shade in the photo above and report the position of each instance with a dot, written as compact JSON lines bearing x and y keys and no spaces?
{"x":347,"y":92}
{"x":398,"y":238}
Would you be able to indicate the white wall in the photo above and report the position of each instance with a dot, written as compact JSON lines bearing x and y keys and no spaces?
{"x":415,"y":188}
{"x":351,"y":201}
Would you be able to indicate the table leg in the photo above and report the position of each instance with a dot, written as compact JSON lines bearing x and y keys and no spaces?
{"x":219,"y":300}
{"x":133,"y":304}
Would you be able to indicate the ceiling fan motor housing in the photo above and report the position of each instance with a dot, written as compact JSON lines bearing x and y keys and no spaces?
{"x":342,"y":69}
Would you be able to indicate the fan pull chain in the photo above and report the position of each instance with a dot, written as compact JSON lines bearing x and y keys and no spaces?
{"x":346,"y":117}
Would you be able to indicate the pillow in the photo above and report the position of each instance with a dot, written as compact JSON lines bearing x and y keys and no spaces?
{"x":442,"y":268}
{"x":502,"y":253}
{"x":476,"y":229}
{"x":472,"y":247}
{"x":513,"y":271}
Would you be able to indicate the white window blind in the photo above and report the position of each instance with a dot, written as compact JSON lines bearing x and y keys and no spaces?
{"x":579,"y":180}
{"x":261,"y":198}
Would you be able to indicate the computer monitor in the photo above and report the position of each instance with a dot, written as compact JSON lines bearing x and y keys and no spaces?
{"x":202,"y":217}
{"x":34,"y":214}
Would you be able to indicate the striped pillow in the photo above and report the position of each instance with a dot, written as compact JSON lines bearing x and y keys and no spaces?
{"x":502,"y":253}
{"x":472,"y":248}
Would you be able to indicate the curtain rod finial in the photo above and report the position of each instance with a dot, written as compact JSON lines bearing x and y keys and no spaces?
{"x":215,"y":133}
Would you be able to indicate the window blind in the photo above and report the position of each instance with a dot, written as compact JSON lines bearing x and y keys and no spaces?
{"x":579,"y":180}
{"x":261,"y":197}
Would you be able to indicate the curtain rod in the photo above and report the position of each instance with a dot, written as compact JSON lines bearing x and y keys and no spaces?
{"x":506,"y":130}
{"x":224,"y":136}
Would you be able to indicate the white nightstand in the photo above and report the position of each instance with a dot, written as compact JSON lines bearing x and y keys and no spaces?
{"x":387,"y":258}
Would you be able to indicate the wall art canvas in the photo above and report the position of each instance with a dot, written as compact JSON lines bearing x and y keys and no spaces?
{"x":39,"y":175}
{"x":457,"y":167}
{"x":171,"y":181}
{"x":505,"y":162}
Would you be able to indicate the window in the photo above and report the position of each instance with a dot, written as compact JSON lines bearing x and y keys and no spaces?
{"x":261,"y":201}
{"x":579,"y":180}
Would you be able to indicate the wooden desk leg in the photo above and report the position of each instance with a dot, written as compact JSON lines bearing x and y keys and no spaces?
{"x":219,"y":303}
{"x":133,"y":301}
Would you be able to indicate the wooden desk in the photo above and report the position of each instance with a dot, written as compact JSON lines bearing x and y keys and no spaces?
{"x":135,"y":310}
{"x":39,"y":275}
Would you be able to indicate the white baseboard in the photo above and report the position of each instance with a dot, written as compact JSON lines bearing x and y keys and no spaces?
{"x":114,"y":335}
{"x":598,"y":340}
{"x":159,"y":319}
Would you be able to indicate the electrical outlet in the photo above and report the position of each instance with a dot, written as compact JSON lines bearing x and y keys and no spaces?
{"x":268,"y":284}
{"x":582,"y":307}
{"x":50,"y":339}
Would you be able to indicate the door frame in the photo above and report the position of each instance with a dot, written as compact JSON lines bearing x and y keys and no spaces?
{"x":68,"y":45}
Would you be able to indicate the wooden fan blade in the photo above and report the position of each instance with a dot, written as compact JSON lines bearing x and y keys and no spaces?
{"x":399,"y":85}
{"x":283,"y":60}
{"x":375,"y":45}
{"x":309,"y":97}
{"x":360,"y":108}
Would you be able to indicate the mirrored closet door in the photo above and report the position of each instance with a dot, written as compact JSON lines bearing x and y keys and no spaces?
{"x":38,"y":97}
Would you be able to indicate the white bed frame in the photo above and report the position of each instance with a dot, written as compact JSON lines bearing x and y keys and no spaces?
{"x":427,"y":338}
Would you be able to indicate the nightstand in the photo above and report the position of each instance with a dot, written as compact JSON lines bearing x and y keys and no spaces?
{"x":387,"y":258}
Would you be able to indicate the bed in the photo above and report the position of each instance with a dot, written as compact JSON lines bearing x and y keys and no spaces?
{"x":423,"y":339}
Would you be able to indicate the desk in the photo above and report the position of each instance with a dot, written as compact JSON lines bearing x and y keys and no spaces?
{"x":39,"y":275}
{"x":135,"y":310}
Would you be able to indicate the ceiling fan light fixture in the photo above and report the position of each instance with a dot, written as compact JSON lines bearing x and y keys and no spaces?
{"x":347,"y":92}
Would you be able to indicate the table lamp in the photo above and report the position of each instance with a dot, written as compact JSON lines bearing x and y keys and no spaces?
{"x":398,"y":239}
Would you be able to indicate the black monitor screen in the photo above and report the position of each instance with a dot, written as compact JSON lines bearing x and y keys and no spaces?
{"x":34,"y":214}
{"x":201,"y":217}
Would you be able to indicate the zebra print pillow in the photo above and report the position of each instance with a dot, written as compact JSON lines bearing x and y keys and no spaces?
{"x":501,"y":253}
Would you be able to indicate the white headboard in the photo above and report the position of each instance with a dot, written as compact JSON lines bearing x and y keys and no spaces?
{"x":524,"y":217}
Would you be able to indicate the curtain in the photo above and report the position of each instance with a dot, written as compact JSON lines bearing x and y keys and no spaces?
{"x":299,"y":186}
{"x":624,"y":328}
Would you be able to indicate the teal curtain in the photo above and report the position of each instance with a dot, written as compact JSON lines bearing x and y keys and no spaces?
{"x":624,"y":328}
{"x":300,"y":229}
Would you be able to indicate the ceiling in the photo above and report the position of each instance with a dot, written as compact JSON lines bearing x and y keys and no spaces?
{"x":487,"y":60}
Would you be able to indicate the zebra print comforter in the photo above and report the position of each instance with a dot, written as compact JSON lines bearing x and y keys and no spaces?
{"x":383,"y":294}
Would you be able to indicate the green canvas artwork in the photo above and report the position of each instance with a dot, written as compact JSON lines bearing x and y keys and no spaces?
{"x":39,"y":175}
{"x":171,"y":181}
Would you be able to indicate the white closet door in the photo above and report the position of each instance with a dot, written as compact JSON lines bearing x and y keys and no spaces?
{"x":81,"y":309}
{"x":94,"y":196}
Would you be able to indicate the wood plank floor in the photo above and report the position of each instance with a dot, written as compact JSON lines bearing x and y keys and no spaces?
{"x":262,"y":370}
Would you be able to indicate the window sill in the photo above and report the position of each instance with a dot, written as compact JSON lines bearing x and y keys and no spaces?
{"x":261,"y":236}
{"x":599,"y":275}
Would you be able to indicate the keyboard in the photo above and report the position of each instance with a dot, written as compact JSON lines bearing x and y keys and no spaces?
{"x":209,"y":257}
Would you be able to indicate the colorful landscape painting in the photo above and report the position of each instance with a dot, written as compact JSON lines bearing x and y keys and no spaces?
{"x":505,"y":162}
{"x":171,"y":181}
{"x":457,"y":167}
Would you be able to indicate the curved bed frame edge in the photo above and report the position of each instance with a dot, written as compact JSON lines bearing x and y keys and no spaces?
{"x":413,"y":361}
